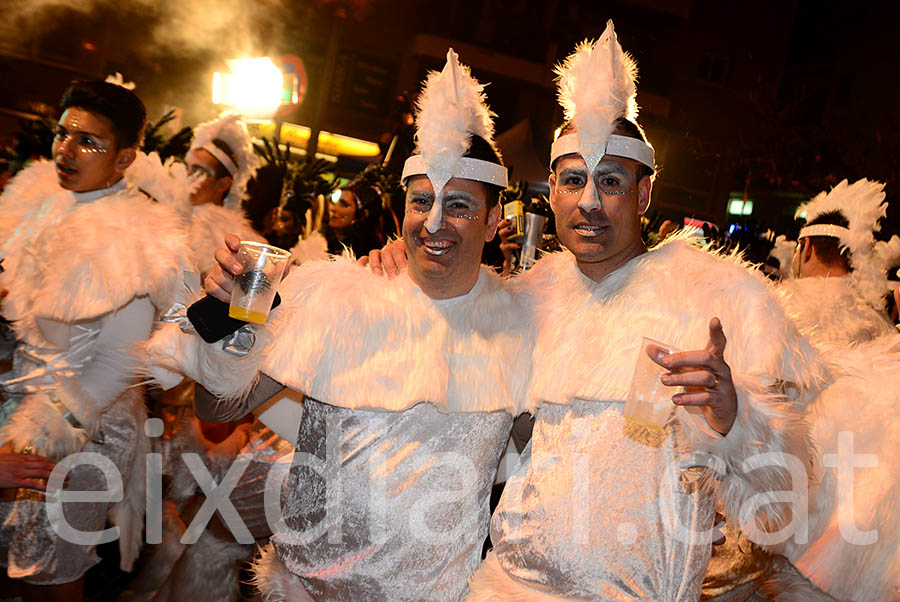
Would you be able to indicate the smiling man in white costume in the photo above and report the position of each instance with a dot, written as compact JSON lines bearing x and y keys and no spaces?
{"x":601,"y":508}
{"x":411,"y":384}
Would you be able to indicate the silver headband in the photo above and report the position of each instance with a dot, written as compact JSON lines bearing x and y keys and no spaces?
{"x":621,"y":146}
{"x":221,"y":157}
{"x":470,"y":169}
{"x":831,"y":230}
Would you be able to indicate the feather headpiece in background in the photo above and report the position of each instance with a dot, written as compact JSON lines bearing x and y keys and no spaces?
{"x":229,"y":128}
{"x":863,"y":205}
{"x":118,"y":80}
{"x":596,"y":87}
{"x":451,"y":109}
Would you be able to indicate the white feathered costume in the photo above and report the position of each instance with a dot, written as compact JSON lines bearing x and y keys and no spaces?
{"x":600,"y":508}
{"x":87,"y":273}
{"x":844,"y":318}
{"x":409,"y":404}
{"x":590,"y":514}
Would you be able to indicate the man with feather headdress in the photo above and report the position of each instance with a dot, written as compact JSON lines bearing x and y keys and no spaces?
{"x":601,"y":508}
{"x":410,"y":384}
{"x":836,"y":299}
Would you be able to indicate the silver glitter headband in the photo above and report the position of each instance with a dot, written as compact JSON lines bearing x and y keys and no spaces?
{"x":621,"y":146}
{"x":831,"y":230}
{"x":470,"y":169}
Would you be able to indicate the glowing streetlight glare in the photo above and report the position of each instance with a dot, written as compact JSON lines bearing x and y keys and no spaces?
{"x":254,"y":87}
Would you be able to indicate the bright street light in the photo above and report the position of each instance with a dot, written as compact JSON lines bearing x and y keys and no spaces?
{"x":255,"y":87}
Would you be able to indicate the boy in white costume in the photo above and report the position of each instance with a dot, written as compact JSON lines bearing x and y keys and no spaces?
{"x":410,"y":384}
{"x":82,"y":290}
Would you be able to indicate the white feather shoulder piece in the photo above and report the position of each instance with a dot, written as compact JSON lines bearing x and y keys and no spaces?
{"x":167,"y":183}
{"x":596,"y":87}
{"x":89,"y":259}
{"x":352,"y":339}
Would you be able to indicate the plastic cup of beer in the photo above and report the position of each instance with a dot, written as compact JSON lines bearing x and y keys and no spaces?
{"x":254,"y":290}
{"x":649,"y":401}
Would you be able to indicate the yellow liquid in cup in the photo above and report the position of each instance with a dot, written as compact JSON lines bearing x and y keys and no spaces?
{"x":246,"y":315}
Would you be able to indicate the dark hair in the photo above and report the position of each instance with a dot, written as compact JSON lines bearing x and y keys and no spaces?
{"x":122,"y":107}
{"x":481,"y":149}
{"x":624,"y":127}
{"x":827,"y":248}
{"x":368,"y":196}
{"x":221,"y":171}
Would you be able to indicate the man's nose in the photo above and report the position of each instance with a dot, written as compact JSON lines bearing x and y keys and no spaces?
{"x":66,"y":148}
{"x":590,"y":198}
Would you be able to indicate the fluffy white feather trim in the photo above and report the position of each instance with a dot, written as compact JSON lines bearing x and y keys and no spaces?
{"x":170,"y":355}
{"x":596,"y":87}
{"x":274,"y":580}
{"x":37,"y":422}
{"x":832,"y":311}
{"x":311,"y":248}
{"x":863,"y":402}
{"x":167,"y":183}
{"x":589,"y":335}
{"x":209,"y":225}
{"x":71,"y":262}
{"x":347,"y":337}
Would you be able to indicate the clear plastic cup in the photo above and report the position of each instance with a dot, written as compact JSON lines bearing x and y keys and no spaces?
{"x":649,"y":401}
{"x":254,"y":290}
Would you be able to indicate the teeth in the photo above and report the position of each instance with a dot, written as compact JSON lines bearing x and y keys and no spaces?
{"x":586,"y":230}
{"x":437,"y":247}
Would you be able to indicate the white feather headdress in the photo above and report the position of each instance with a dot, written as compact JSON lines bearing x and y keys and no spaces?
{"x":863,"y":205}
{"x":597,"y":87}
{"x":229,"y":128}
{"x":451,"y":109}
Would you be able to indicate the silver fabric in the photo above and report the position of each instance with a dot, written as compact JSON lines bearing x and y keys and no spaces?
{"x":264,"y":451}
{"x":593,"y":510}
{"x":42,"y":368}
{"x":434,"y":473}
{"x":29,"y":547}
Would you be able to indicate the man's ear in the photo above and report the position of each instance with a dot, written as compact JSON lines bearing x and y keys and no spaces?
{"x":551,"y":180}
{"x":125,"y":158}
{"x":223,"y":184}
{"x":806,"y":250}
{"x":493,"y":219}
{"x":645,"y":186}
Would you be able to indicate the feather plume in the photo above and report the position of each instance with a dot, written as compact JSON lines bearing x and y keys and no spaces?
{"x":450,"y":110}
{"x":229,"y":128}
{"x":863,"y":204}
{"x":596,"y":87}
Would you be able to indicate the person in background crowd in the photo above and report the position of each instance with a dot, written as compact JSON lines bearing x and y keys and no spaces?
{"x":67,"y":229}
